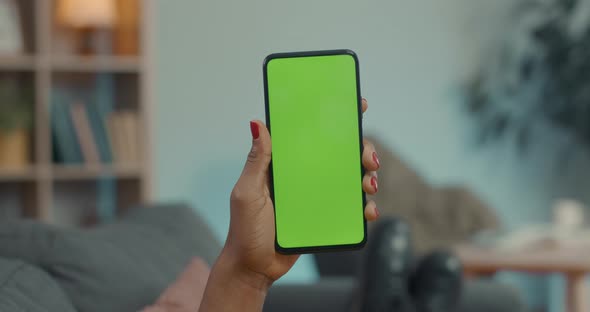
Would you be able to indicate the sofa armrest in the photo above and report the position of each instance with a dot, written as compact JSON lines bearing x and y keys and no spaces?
{"x":329,"y":294}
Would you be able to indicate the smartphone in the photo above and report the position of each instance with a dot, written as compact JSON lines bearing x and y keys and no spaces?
{"x":314,"y":115}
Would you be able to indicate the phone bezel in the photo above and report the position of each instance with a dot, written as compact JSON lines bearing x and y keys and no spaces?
{"x":317,"y":249}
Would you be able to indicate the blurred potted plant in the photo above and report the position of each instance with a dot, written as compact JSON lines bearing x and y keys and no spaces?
{"x":541,"y":76}
{"x":16,"y":119}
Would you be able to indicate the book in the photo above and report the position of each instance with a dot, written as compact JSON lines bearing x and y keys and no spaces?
{"x":98,"y":126}
{"x":84,"y":134}
{"x":131,"y":136}
{"x":123,"y":128}
{"x":115,"y":144}
{"x":65,"y":144}
{"x":123,"y":134}
{"x":116,"y":136}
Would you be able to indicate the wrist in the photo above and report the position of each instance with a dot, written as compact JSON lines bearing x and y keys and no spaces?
{"x":231,"y":287}
{"x":241,"y":274}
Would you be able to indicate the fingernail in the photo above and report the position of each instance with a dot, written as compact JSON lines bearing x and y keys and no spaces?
{"x":254,"y":129}
{"x":377,"y":212}
{"x":374,"y":183}
{"x":376,"y":160}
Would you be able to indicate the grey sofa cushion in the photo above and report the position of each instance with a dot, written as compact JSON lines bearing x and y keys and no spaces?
{"x":118,"y":267}
{"x":329,"y":294}
{"x":339,"y":294}
{"x":489,"y":296}
{"x":24,"y":288}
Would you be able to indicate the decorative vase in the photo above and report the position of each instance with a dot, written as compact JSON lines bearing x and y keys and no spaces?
{"x":14,"y":149}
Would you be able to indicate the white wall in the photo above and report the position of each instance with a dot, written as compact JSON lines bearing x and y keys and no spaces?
{"x":414,"y":56}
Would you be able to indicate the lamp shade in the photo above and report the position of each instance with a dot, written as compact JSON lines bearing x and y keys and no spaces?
{"x":87,"y":13}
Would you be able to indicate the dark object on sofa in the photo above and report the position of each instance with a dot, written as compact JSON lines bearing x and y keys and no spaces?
{"x":437,"y":282}
{"x":393,"y":279}
{"x":387,"y":268}
{"x":477,"y":295}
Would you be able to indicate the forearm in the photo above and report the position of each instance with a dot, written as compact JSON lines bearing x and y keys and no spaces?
{"x":231,"y":289}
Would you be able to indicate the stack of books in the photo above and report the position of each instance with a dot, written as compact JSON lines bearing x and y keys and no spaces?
{"x":84,"y":135}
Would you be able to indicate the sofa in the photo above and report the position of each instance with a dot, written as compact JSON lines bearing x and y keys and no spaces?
{"x":117,"y":267}
{"x":125,"y":265}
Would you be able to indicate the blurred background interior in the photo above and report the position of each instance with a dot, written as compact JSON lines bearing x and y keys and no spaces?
{"x":481,"y":106}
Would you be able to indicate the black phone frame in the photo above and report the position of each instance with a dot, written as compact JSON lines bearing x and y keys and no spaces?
{"x":329,"y":248}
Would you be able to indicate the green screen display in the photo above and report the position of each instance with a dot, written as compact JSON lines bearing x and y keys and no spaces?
{"x":313,"y":114}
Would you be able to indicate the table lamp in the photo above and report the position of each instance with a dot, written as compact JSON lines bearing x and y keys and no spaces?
{"x":92,"y":19}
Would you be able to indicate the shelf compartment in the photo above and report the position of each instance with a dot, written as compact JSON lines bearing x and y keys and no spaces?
{"x":26,"y":10}
{"x":74,"y":203}
{"x":121,"y":37}
{"x":17,"y":120}
{"x":111,"y":105}
{"x":88,"y":202}
{"x":18,"y":200}
{"x":116,"y":90}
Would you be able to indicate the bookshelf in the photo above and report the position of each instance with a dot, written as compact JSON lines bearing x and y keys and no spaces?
{"x":63,"y":192}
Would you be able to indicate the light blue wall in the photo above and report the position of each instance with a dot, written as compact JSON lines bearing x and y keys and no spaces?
{"x":414,"y":55}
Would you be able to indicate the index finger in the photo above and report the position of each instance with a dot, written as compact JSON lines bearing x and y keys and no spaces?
{"x":364,"y":105}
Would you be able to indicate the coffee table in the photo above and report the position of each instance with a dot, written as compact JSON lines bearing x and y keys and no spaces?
{"x":572,"y":262}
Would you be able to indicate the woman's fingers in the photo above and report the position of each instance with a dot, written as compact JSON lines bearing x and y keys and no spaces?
{"x":371,"y":211}
{"x":370,"y":185}
{"x":371,"y":163}
{"x":370,"y":159}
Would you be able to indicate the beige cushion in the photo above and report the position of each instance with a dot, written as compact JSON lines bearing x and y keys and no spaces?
{"x":439,"y":217}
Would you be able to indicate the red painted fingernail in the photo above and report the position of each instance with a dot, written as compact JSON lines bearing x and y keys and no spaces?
{"x":254,"y":129}
{"x":374,"y":183}
{"x":377,"y":212}
{"x":376,"y":159}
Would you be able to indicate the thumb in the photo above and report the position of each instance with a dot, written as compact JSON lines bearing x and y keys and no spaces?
{"x":256,"y":168}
